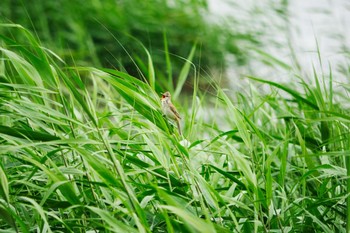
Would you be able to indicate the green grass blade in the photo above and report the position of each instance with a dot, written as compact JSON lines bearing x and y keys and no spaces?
{"x":184,"y":73}
{"x":27,"y":134}
{"x":292,"y":92}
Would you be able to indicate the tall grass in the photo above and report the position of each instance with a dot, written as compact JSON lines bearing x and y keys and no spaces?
{"x":88,"y":150}
{"x":85,"y":30}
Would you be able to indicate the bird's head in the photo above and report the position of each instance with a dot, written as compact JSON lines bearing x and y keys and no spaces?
{"x":166,"y":95}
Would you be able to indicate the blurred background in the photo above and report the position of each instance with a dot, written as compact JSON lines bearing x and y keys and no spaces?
{"x":232,"y":38}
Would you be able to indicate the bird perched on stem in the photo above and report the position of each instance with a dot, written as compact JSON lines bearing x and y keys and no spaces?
{"x":169,"y":109}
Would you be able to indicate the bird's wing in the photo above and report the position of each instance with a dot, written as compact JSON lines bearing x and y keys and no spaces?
{"x":173,"y":109}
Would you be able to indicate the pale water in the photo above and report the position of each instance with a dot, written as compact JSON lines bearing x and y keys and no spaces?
{"x":326,"y":21}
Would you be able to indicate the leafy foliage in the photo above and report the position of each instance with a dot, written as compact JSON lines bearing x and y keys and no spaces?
{"x":87,"y":149}
{"x":112,"y":33}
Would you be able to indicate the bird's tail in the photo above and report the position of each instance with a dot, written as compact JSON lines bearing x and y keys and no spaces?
{"x":178,"y":126}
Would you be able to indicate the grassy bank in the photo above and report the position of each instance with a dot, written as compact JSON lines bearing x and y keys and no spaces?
{"x":98,"y":33}
{"x":86,"y":149}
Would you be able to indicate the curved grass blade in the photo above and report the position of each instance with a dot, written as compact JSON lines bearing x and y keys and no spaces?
{"x":27,"y":134}
{"x":184,"y":72}
{"x":292,"y":92}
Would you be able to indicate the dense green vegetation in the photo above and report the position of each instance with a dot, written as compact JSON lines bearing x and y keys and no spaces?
{"x":104,"y":33}
{"x":86,"y":149}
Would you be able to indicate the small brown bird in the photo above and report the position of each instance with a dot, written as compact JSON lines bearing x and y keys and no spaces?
{"x":169,"y":109}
